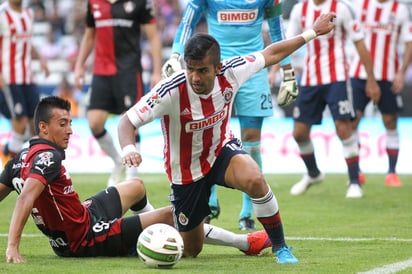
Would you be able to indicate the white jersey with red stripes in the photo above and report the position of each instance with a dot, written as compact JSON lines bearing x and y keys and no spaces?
{"x":195,"y":127}
{"x":15,"y":45}
{"x":326,"y":59}
{"x":385,"y":25}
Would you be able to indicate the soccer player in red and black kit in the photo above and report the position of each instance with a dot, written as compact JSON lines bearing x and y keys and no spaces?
{"x":113,"y":31}
{"x":74,"y":229}
{"x":94,"y":227}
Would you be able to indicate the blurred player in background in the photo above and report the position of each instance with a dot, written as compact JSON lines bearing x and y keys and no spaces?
{"x":386,"y":23}
{"x":237,"y":25}
{"x":325,"y":83}
{"x":18,"y":93}
{"x":113,"y":32}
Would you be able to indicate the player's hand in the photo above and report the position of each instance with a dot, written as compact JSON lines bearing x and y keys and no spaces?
{"x":324,"y":24}
{"x":79,"y":74}
{"x":398,"y":83}
{"x":44,"y":67}
{"x":13,"y":256}
{"x":171,"y":66}
{"x":2,"y":83}
{"x":130,"y":156}
{"x":288,"y":90}
{"x":373,"y":90}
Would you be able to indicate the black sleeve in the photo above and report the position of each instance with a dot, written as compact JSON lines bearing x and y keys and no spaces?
{"x":146,"y":11}
{"x":89,"y":17}
{"x":13,"y":168}
{"x":6,"y":175}
{"x":47,"y":164}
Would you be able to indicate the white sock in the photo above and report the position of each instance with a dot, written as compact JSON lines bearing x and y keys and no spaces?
{"x":16,"y":142}
{"x":218,"y":236}
{"x":107,"y":145}
{"x":148,"y":207}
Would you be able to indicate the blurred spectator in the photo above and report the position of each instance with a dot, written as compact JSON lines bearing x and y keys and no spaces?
{"x":39,"y":10}
{"x":57,"y":21}
{"x":51,"y":48}
{"x":67,"y":91}
{"x":75,"y":17}
{"x":168,"y":15}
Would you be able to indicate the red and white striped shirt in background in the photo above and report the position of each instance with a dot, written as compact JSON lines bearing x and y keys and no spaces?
{"x":385,"y":25}
{"x":326,"y":60}
{"x":195,"y":127}
{"x":15,"y":45}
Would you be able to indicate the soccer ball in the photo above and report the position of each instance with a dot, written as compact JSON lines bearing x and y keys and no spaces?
{"x":160,"y":246}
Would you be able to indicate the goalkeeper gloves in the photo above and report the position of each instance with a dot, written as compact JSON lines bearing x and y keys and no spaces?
{"x":171,"y":66}
{"x":288,"y":90}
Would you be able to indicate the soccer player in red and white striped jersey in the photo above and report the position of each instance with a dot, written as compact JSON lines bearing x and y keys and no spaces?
{"x":324,"y":83}
{"x":194,"y":106}
{"x":18,"y":94}
{"x":387,"y":26}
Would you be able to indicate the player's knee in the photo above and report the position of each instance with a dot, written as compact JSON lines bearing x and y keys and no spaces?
{"x":256,"y":185}
{"x":299,"y":137}
{"x":192,"y":249}
{"x":137,"y":186}
{"x":133,"y":186}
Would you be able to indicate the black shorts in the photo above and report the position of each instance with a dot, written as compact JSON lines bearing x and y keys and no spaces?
{"x":19,"y":101}
{"x":109,"y":233}
{"x":191,"y":201}
{"x":116,"y":94}
{"x":389,"y":103}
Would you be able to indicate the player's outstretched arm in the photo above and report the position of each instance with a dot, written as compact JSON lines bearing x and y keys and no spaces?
{"x":275,"y":52}
{"x":31,"y":191}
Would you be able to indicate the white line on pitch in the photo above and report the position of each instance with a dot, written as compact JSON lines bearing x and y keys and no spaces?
{"x":390,"y":268}
{"x":348,"y":239}
{"x":295,"y":238}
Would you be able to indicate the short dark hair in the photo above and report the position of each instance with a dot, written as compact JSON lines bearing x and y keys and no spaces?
{"x":200,"y":45}
{"x":43,"y":109}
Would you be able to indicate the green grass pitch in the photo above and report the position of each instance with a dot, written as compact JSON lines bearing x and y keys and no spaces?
{"x":329,"y":233}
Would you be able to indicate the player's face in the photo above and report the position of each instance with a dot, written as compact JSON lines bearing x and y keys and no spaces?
{"x":15,"y":3}
{"x":58,"y":129}
{"x":202,"y":75}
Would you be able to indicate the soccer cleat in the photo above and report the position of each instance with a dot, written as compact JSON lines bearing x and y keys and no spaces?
{"x":4,"y":159}
{"x":361,"y":178}
{"x":258,"y":241}
{"x":117,"y":175}
{"x":284,"y":256}
{"x":247,"y":223}
{"x":393,"y":180}
{"x":354,"y":191}
{"x":214,"y":214}
{"x":5,"y":155}
{"x":306,"y":181}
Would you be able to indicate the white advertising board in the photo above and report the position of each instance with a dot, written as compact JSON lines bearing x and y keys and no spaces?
{"x":279,"y":150}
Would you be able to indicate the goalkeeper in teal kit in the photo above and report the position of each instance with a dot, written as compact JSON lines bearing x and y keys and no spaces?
{"x":237,"y":25}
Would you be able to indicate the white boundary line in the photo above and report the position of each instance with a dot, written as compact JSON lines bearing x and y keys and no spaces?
{"x":393,"y":239}
{"x":290,"y":238}
{"x":390,"y":268}
{"x":24,"y":235}
{"x":386,"y":269}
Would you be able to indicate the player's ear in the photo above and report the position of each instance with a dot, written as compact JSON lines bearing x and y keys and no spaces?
{"x":218,"y":68}
{"x":43,"y":127}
